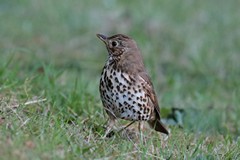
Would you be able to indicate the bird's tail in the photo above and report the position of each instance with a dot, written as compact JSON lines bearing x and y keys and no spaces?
{"x":158,"y":126}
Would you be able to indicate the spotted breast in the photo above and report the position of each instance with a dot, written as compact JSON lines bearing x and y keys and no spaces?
{"x":123,"y":96}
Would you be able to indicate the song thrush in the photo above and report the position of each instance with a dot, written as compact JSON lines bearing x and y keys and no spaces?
{"x":125,"y":87}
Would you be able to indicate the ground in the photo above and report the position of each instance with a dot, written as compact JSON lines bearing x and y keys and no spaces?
{"x":50,"y":65}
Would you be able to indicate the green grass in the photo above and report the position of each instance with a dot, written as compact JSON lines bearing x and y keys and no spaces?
{"x":49,"y":53}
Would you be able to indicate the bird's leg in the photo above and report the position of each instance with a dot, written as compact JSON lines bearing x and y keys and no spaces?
{"x":110,"y":125}
{"x":140,"y":129}
{"x":126,"y":126}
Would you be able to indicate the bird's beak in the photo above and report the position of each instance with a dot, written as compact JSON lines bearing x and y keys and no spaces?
{"x":102,"y":37}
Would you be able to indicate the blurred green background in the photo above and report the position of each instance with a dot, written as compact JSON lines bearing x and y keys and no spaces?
{"x":49,"y":50}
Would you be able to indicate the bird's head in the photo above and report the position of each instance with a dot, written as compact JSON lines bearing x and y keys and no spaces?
{"x":118,"y":45}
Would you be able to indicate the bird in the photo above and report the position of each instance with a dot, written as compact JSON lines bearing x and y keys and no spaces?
{"x":125,"y":87}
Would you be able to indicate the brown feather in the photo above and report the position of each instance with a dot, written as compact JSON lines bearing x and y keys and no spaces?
{"x":156,"y":123}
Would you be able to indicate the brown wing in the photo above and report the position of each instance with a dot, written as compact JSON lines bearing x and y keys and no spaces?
{"x":150,"y":91}
{"x":148,"y":87}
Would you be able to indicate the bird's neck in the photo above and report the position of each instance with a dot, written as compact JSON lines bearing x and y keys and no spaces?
{"x":131,"y":63}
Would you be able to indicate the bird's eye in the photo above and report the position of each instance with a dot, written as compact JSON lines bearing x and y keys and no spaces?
{"x":114,"y":43}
